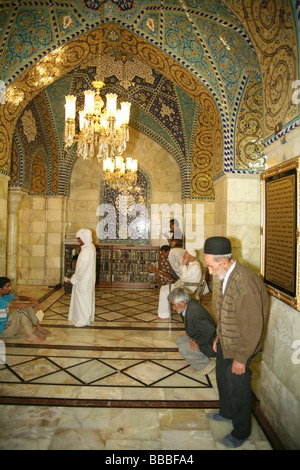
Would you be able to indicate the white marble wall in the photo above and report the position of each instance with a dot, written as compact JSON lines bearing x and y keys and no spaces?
{"x":81,"y":205}
{"x":237,"y":215}
{"x":87,"y":177}
{"x":280,"y":377}
{"x":40,"y":240}
{"x":44,"y":222}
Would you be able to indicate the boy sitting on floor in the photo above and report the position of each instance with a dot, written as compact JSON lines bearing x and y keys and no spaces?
{"x":24,"y":315}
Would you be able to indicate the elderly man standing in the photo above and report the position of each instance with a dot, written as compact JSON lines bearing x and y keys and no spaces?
{"x":190,"y":272}
{"x":242,"y":308}
{"x":82,"y":306}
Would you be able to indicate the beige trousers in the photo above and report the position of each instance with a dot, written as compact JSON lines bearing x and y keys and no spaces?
{"x":21,"y":318}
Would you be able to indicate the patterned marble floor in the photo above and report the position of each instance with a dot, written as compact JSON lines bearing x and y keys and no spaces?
{"x":119,"y":384}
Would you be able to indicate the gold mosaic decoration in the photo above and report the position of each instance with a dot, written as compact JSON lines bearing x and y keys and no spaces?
{"x":74,"y":54}
{"x":249,"y":124}
{"x":206,"y":145}
{"x":38,"y":175}
{"x":53,"y":165}
{"x":29,"y":125}
{"x":123,"y":66}
{"x":15,"y":165}
{"x":272,"y":29}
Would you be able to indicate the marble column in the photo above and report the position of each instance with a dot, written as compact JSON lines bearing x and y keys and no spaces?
{"x":237,"y":215}
{"x":14,"y":200}
{"x":4,"y":179}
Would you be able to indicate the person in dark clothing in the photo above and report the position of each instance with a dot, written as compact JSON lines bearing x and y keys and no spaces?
{"x":196,"y":344}
{"x":242,"y":305}
{"x":176,"y":239}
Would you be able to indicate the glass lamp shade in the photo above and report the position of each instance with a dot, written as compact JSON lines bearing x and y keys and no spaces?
{"x":89,"y":96}
{"x":111,"y":104}
{"x":70,"y":107}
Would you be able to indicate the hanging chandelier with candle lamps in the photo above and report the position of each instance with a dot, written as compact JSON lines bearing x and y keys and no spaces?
{"x":104,"y":133}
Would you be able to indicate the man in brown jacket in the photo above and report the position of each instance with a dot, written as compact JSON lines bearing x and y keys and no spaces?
{"x":242,"y":308}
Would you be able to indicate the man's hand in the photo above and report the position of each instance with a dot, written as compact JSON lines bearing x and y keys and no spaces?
{"x":35,"y":304}
{"x":22,"y":301}
{"x":238,"y":368}
{"x":215,"y":344}
{"x":193,"y":346}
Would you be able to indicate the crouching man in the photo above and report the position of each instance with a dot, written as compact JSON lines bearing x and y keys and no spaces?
{"x":196,"y":344}
{"x":23,"y":316}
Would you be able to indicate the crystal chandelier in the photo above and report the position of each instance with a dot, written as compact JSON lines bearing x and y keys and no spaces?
{"x":120,"y":174}
{"x":104,"y":132}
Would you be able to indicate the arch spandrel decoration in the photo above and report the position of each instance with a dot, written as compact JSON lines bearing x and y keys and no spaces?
{"x":208,"y":150}
{"x":74,"y":53}
{"x":249,"y":128}
{"x":273,"y":31}
{"x":38,"y":175}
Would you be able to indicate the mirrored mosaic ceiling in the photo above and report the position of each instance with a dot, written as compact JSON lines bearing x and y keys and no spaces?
{"x":206,"y":79}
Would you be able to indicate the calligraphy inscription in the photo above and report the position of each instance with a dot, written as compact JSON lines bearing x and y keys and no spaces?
{"x":280,"y":239}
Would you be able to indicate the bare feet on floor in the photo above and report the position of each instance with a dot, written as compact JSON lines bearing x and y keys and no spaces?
{"x":40,"y":329}
{"x":33,"y":338}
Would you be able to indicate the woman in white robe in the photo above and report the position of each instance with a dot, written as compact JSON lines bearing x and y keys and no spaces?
{"x":82,"y":306}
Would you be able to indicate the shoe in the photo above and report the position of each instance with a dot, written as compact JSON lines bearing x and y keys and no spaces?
{"x":215,"y":415}
{"x":207,"y":369}
{"x":232,"y":442}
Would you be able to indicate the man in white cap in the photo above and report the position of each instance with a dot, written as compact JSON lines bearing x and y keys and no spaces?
{"x":82,"y":306}
{"x":190,"y":272}
{"x":242,"y":308}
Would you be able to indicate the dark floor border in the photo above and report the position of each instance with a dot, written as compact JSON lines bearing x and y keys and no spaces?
{"x":266,"y":426}
{"x":86,"y":348}
{"x":144,"y":326}
{"x":94,"y":403}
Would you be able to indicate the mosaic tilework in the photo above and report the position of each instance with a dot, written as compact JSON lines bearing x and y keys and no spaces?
{"x":218,"y":43}
{"x":170,"y":117}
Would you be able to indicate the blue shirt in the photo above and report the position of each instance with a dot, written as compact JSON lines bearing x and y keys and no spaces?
{"x":4,"y":301}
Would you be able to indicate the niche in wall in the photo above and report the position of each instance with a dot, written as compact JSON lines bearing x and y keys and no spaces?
{"x":124,"y":214}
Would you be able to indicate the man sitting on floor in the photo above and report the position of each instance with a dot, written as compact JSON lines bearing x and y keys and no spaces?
{"x":196,"y":345}
{"x":24,"y":315}
{"x":190,"y":272}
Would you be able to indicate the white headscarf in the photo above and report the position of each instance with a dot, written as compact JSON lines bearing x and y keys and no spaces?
{"x":85,"y":235}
